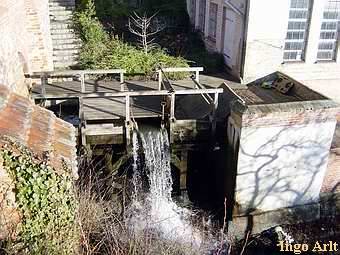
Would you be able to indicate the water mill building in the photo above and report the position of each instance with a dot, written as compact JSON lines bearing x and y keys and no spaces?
{"x":270,"y":143}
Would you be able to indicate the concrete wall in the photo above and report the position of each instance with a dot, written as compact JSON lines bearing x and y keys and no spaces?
{"x":25,"y":42}
{"x":282,"y":159}
{"x":267,"y":27}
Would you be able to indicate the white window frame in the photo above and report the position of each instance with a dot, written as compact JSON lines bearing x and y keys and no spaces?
{"x":334,"y":41}
{"x":291,"y":32}
{"x":212,"y":31}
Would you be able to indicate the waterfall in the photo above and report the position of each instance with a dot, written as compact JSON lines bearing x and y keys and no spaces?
{"x":152,"y":208}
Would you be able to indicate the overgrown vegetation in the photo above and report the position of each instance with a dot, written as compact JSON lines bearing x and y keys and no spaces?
{"x":104,"y":51}
{"x":177,"y":39}
{"x":46,"y":202}
{"x":103,"y":230}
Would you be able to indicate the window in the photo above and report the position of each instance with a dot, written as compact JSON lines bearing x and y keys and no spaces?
{"x":193,"y":11}
{"x":297,"y":33}
{"x":201,"y":20}
{"x":329,"y":35}
{"x":213,"y":20}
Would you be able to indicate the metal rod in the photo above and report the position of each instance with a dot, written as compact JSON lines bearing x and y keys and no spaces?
{"x":205,"y":96}
{"x":235,"y":94}
{"x":170,"y":87}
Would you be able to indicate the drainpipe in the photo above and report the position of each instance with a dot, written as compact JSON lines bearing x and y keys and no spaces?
{"x":244,"y":46}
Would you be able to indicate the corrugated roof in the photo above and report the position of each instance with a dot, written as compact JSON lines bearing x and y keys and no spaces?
{"x":38,"y":129}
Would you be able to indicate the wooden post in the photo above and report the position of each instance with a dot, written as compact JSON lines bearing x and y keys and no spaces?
{"x":172,"y":107}
{"x":44,"y":80}
{"x":82,"y":121}
{"x":197,"y":76}
{"x":183,"y":170}
{"x":122,"y":81}
{"x":160,"y":80}
{"x":128,"y":119}
{"x":121,"y":77}
{"x":82,"y":82}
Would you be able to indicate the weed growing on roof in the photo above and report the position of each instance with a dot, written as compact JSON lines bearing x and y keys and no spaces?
{"x":46,"y":202}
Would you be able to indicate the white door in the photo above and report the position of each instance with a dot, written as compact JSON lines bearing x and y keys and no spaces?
{"x":229,"y":37}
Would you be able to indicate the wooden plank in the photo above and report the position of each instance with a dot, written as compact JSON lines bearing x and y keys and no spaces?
{"x":132,"y":93}
{"x":172,"y":107}
{"x":182,"y":69}
{"x":78,"y":72}
{"x":103,"y":129}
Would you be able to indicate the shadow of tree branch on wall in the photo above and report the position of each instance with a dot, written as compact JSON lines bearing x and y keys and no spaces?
{"x":281,"y":167}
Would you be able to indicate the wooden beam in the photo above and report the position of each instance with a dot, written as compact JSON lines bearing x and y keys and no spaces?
{"x":121,"y":77}
{"x":172,"y":107}
{"x":78,"y":72}
{"x":127,"y":108}
{"x":197,"y":76}
{"x":127,"y":121}
{"x":82,"y":83}
{"x":132,"y":93}
{"x":82,"y":121}
{"x":183,"y":170}
{"x":160,"y":80}
{"x":44,"y":81}
{"x":182,"y":69}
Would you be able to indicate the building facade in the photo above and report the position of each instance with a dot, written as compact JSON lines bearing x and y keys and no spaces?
{"x":25,"y":41}
{"x":256,"y":38}
{"x":282,"y":140}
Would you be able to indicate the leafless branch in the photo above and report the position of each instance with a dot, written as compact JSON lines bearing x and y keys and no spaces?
{"x":145,"y":28}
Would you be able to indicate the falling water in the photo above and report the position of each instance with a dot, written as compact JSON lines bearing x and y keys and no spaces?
{"x":152,"y":208}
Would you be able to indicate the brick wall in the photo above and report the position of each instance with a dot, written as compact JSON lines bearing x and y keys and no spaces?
{"x":25,"y":42}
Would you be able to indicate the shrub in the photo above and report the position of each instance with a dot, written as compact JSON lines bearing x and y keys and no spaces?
{"x":103,"y":51}
{"x":46,"y":203}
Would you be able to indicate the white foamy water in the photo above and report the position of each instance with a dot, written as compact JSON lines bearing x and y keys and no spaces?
{"x":153,"y":209}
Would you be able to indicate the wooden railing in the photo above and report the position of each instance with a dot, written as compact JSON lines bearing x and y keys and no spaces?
{"x":76,"y":73}
{"x":196,"y":70}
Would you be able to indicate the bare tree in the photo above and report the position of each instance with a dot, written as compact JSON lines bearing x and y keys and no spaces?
{"x":145,"y":28}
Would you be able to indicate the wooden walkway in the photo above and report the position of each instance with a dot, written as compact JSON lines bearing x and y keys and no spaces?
{"x":102,"y":102}
{"x":103,"y":107}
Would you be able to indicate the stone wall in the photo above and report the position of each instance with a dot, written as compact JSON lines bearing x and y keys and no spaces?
{"x":25,"y":41}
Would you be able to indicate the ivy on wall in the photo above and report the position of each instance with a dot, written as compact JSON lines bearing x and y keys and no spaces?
{"x":46,"y":201}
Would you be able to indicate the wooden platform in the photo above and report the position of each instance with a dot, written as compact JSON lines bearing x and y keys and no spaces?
{"x":114,"y":108}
